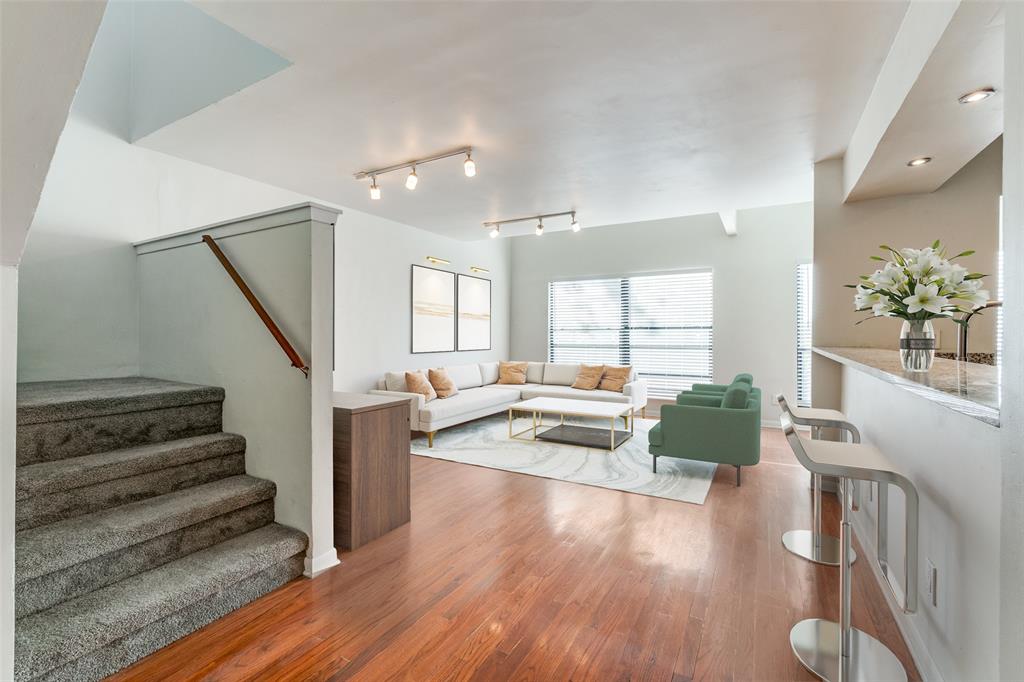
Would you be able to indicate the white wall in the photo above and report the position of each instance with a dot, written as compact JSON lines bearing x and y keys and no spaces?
{"x":1012,"y":407}
{"x":754,"y":282}
{"x":78,"y":302}
{"x":954,"y":462}
{"x":372,"y":296}
{"x":195,"y":326}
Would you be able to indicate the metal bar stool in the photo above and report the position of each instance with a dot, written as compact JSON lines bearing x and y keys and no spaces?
{"x":838,"y":652}
{"x":814,"y":545}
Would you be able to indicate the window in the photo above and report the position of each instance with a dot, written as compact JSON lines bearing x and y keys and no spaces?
{"x":804,"y":297}
{"x":659,"y":324}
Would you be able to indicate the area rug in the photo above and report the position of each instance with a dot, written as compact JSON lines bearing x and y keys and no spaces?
{"x":485,"y":442}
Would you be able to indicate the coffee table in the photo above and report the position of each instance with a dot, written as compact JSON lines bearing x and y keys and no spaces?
{"x":573,"y":434}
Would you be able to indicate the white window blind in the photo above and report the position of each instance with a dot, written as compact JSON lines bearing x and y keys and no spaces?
{"x":659,"y":324}
{"x":804,"y":297}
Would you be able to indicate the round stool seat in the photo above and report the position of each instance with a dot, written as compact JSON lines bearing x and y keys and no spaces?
{"x":803,"y":414}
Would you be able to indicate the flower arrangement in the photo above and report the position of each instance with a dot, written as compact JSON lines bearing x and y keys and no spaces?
{"x":920,"y":284}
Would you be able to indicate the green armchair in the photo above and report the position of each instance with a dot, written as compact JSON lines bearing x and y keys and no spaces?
{"x":711,"y":426}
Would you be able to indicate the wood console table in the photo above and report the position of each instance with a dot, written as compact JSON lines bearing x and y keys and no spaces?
{"x":371,"y":467}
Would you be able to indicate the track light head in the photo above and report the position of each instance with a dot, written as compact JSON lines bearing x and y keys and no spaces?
{"x":575,"y":223}
{"x":495,"y":231}
{"x":410,"y":182}
{"x":374,"y":189}
{"x":540,"y":227}
{"x":469,"y":165}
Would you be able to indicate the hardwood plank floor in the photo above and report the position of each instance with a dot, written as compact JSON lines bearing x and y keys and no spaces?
{"x":503,"y":576}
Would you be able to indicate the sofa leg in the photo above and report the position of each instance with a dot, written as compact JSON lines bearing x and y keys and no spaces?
{"x":737,"y":476}
{"x":654,"y":467}
{"x":430,"y":438}
{"x":643,"y":412}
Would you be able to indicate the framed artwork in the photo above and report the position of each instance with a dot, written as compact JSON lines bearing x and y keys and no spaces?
{"x":474,"y":306}
{"x":433,"y":310}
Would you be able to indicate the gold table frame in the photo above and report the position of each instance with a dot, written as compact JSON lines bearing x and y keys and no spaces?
{"x":537,"y":417}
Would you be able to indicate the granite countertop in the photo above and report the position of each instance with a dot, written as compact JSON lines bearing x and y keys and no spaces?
{"x":966,"y":387}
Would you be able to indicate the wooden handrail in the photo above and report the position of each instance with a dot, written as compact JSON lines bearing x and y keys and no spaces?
{"x":274,"y":330}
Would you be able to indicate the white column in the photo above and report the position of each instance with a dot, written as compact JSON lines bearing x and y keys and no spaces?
{"x":322,"y":554}
{"x":8,"y":390}
{"x":1011,"y":624}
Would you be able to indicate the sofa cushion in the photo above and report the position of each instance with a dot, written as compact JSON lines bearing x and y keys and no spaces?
{"x":588,"y":377}
{"x":395,"y":381}
{"x":488,"y":372}
{"x":560,"y":374}
{"x":470,"y":400}
{"x":615,"y":378}
{"x":418,"y":383}
{"x":736,"y":396}
{"x":512,"y":373}
{"x":465,"y":376}
{"x":442,"y":383}
{"x":654,"y":436}
{"x":548,"y":391}
{"x":535,"y":372}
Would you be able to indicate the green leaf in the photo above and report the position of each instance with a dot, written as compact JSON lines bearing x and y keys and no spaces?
{"x":963,"y":254}
{"x":936,"y":244}
{"x":975,"y":275}
{"x":884,"y":260}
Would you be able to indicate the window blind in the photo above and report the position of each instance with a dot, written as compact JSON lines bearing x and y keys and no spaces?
{"x":662,"y":325}
{"x":804,"y":297}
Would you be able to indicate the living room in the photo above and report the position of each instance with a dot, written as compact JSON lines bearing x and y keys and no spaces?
{"x":512,"y":341}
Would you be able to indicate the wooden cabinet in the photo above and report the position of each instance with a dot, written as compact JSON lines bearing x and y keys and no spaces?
{"x":371,"y":467}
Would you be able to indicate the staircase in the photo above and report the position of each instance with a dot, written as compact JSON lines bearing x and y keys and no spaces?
{"x":136,"y":524}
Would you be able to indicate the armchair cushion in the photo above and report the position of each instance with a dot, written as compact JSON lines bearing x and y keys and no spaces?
{"x":736,"y":396}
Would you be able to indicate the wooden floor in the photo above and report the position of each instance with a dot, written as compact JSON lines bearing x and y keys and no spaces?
{"x":506,"y":576}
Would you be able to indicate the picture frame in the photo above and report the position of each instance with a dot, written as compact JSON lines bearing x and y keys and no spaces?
{"x":433,"y":318}
{"x":473,"y":305}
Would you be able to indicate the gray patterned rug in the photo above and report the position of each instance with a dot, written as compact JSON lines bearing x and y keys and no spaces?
{"x":485,"y":443}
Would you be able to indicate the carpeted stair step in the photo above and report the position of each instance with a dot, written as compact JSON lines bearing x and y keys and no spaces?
{"x":62,"y":419}
{"x":68,"y":558}
{"x":53,"y":491}
{"x":108,"y":629}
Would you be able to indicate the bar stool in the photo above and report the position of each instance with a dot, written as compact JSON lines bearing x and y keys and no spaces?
{"x":837,"y":652}
{"x":814,"y":545}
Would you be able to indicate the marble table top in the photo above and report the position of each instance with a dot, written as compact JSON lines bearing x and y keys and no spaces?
{"x":966,"y":387}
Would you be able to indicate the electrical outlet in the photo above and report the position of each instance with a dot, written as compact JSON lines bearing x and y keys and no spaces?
{"x":933,"y":582}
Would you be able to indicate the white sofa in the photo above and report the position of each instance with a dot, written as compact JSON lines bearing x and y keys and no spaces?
{"x":481,"y":395}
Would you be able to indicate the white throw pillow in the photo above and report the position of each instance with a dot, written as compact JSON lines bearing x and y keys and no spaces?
{"x":489,"y":373}
{"x":535,"y":372}
{"x":560,"y":374}
{"x":465,"y":376}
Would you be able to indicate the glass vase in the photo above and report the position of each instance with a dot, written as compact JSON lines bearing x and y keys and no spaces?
{"x":917,"y":345}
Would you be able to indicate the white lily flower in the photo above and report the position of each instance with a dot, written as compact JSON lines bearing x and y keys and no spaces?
{"x":882,"y":309}
{"x":867,"y":298}
{"x":926,"y":297}
{"x":971,"y":300}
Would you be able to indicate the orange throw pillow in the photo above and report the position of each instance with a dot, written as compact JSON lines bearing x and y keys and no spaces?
{"x":442,"y":383}
{"x":615,"y":378}
{"x":588,"y":377}
{"x":417,"y":383}
{"x":512,"y":372}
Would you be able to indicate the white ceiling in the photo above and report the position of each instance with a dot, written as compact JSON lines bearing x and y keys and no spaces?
{"x":623,"y":111}
{"x":929,"y":121}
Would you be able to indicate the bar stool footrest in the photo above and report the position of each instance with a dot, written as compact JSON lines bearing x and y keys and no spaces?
{"x":815,"y":643}
{"x":824,"y":551}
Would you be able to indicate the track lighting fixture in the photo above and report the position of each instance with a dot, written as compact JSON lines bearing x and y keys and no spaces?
{"x":495,"y":225}
{"x":469,"y":166}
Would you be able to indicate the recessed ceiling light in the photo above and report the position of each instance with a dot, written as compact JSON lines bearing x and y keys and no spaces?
{"x":919,"y":161}
{"x":976,"y":95}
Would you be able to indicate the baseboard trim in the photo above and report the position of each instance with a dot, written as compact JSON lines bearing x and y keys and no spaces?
{"x":314,"y":566}
{"x":918,"y":651}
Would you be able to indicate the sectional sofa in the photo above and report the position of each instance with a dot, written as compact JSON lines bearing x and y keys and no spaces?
{"x":481,"y":395}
